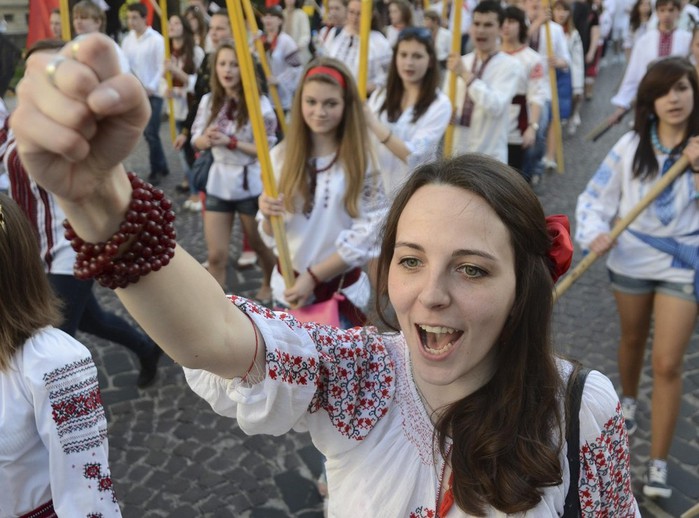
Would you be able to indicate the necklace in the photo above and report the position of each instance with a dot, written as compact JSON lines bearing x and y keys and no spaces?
{"x":655,"y":140}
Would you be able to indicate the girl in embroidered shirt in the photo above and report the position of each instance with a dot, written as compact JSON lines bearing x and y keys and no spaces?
{"x":650,"y":278}
{"x":330,"y":198}
{"x":223,"y":126}
{"x":408,"y":118}
{"x":467,"y":264}
{"x":49,"y":450}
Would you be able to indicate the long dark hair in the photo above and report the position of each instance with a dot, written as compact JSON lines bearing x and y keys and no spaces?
{"x":659,"y":79}
{"x":635,"y":16}
{"x":188,"y":66}
{"x":394,"y":84}
{"x":507,"y":435}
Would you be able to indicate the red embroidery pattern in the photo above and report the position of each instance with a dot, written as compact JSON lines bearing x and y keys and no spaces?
{"x":605,"y":484}
{"x":76,"y":405}
{"x":423,"y":512}
{"x":354,"y":375}
{"x":93,"y":471}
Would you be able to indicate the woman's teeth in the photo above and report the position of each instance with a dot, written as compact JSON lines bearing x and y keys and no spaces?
{"x":437,"y":340}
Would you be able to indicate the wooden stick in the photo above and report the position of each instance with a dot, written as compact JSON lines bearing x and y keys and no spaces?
{"x":692,"y":512}
{"x":65,"y":21}
{"x":252,"y":100}
{"x":455,"y":49}
{"x":603,"y":128}
{"x":555,"y":107}
{"x":168,"y":75}
{"x":676,"y":170}
{"x":262,"y":56}
{"x":364,"y":30}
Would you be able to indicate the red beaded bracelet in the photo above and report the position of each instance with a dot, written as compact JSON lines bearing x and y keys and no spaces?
{"x":232,"y":143}
{"x":150,"y":225}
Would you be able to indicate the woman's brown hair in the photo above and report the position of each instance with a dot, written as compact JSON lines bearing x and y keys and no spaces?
{"x":218,"y":92}
{"x":202,"y":26}
{"x":657,"y":82}
{"x":27,"y":302}
{"x":394,"y":84}
{"x":351,"y":135}
{"x":507,"y":436}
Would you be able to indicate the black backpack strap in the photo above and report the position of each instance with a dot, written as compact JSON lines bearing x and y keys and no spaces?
{"x":574,"y":390}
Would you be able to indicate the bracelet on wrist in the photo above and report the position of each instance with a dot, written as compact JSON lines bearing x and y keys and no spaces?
{"x":148,"y":230}
{"x":388,"y":137}
{"x":315,"y":278}
{"x":232,"y":143}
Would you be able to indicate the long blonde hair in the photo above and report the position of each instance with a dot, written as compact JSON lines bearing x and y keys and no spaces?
{"x":351,"y":135}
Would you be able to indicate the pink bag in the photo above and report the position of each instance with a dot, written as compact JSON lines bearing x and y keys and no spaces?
{"x":326,"y":312}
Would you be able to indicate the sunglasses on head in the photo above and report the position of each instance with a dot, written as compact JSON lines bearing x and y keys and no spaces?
{"x":422,"y":34}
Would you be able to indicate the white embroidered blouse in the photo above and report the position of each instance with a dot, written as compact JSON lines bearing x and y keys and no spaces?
{"x":53,"y":432}
{"x":353,"y":391}
{"x":234,"y":175}
{"x":329,"y":228}
{"x":613,"y":191}
{"x":420,"y":137}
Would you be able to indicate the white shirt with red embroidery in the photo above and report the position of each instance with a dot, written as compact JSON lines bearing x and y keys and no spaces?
{"x":53,"y":432}
{"x":353,"y":391}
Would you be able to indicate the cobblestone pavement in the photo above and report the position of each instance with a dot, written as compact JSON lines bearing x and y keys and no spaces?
{"x":171,"y":455}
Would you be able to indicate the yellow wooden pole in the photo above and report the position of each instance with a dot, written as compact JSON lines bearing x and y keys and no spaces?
{"x":65,"y":20}
{"x":675,"y":171}
{"x":325,"y":11}
{"x":555,"y":108}
{"x":252,"y":100}
{"x":456,"y":49}
{"x":262,"y":55}
{"x":364,"y":30}
{"x":445,"y":16}
{"x":168,"y":75}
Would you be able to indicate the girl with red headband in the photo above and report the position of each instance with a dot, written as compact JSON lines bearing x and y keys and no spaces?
{"x":330,"y":196}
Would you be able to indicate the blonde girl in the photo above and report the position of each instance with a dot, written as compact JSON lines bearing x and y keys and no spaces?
{"x":223,"y":126}
{"x":330,"y":197}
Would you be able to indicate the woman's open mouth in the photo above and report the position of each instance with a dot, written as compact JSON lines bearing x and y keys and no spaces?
{"x":437,"y":340}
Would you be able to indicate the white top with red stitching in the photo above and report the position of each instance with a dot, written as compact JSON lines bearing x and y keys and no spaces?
{"x":352,"y":390}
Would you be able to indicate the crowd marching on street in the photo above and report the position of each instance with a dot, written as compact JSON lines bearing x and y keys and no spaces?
{"x":355,"y":259}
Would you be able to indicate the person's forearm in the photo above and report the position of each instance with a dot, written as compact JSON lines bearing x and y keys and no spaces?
{"x":180,"y":306}
{"x":329,"y":268}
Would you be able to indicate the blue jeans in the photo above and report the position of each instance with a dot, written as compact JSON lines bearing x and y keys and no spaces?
{"x":81,"y":311}
{"x":534,"y":154}
{"x":158,"y":164}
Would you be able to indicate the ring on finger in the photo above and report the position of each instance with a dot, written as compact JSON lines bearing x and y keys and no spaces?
{"x":52,"y":68}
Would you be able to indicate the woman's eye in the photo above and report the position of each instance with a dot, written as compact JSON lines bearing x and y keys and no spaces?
{"x":409,"y":262}
{"x":472,"y":271}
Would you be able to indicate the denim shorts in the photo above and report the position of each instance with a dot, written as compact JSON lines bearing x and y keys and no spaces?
{"x":247,"y":206}
{"x":632,"y":286}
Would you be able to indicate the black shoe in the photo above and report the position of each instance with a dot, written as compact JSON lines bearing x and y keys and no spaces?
{"x":182,"y":188}
{"x":154,"y":178}
{"x":149,"y":367}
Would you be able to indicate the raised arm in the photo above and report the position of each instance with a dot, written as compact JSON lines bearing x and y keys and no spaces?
{"x":74,"y":127}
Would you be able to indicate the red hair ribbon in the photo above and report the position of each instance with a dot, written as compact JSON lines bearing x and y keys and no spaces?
{"x":561,"y":252}
{"x":328,"y":71}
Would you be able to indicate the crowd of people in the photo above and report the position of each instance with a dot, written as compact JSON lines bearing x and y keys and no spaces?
{"x":456,"y":404}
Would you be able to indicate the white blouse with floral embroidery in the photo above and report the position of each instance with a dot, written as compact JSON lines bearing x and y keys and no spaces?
{"x":352,"y":389}
{"x":53,"y":432}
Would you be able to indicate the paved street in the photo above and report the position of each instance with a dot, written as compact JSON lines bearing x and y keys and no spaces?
{"x":172,"y":456}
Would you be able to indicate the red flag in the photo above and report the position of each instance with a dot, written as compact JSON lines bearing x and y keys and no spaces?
{"x":39,"y":26}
